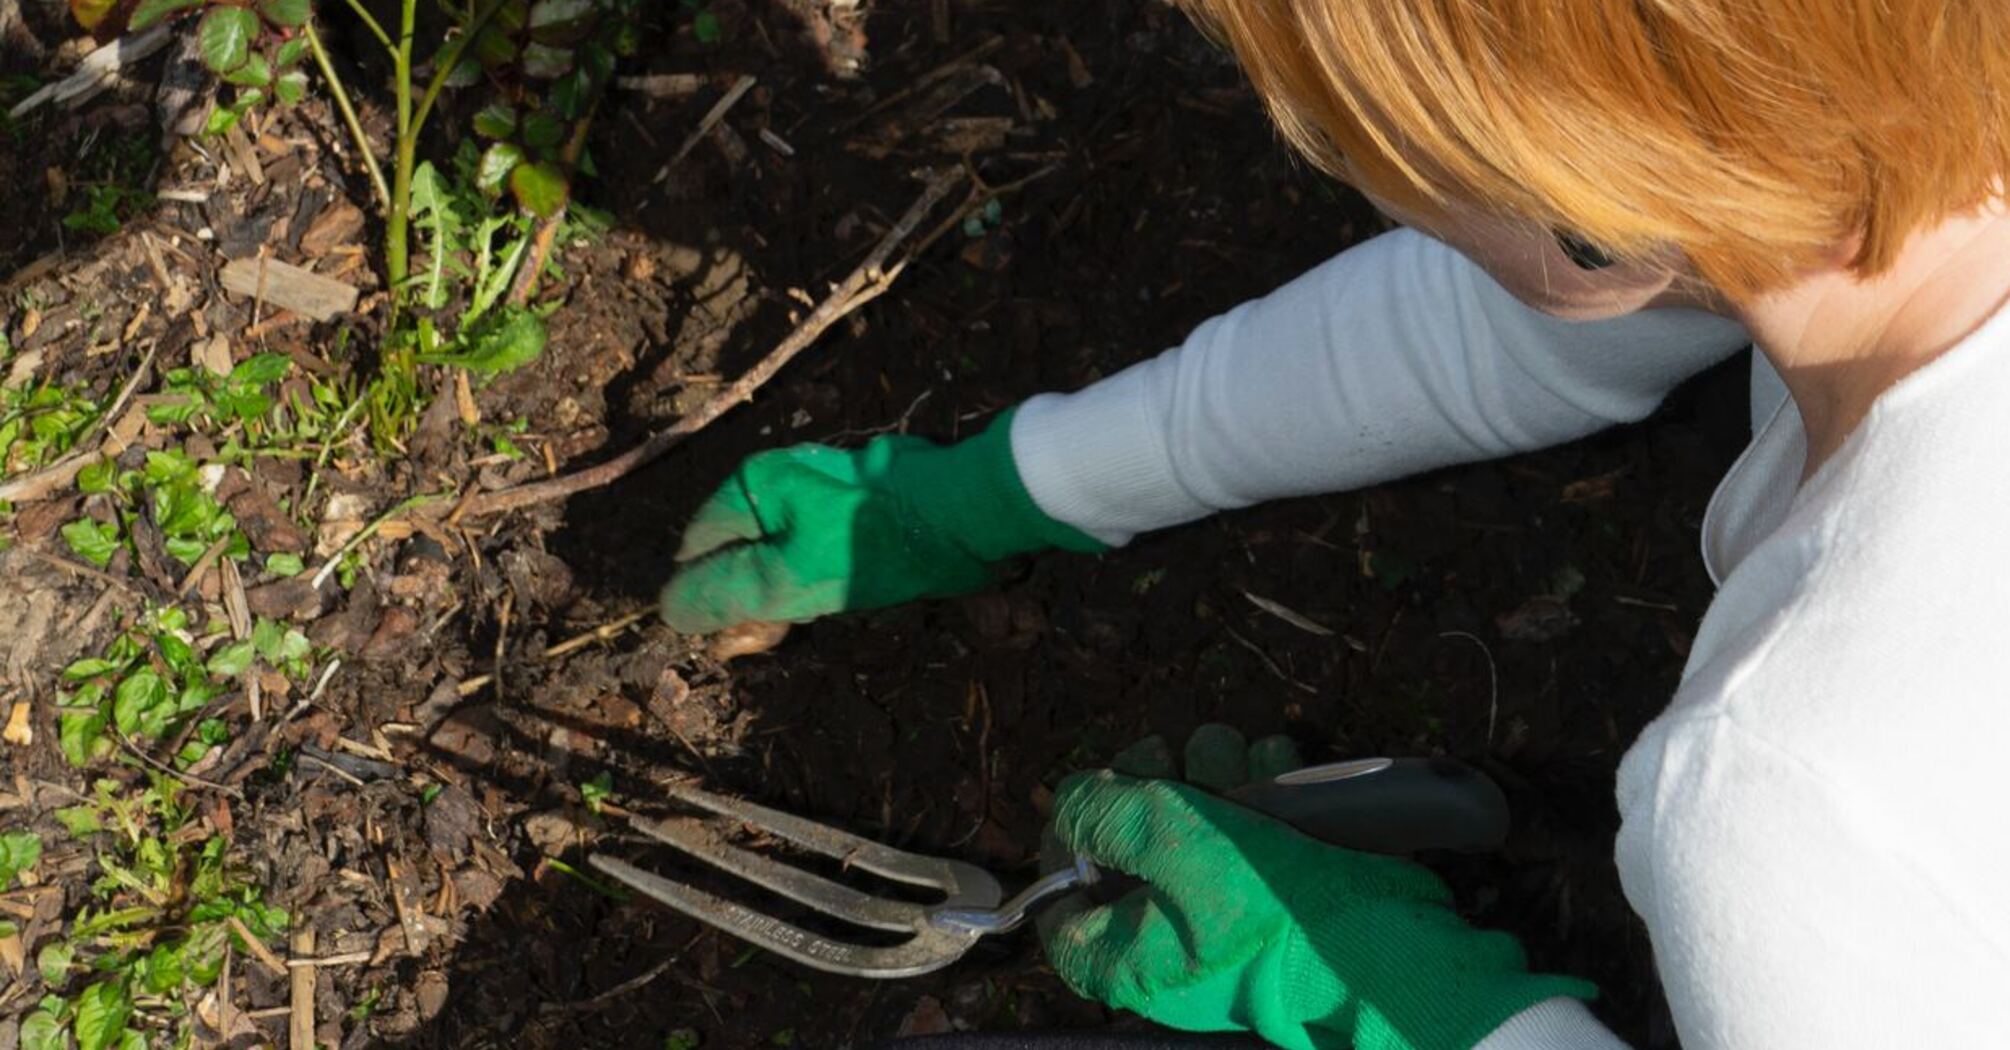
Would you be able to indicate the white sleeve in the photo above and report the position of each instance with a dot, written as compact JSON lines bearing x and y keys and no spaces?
{"x":1397,"y":356}
{"x":1553,"y":1024}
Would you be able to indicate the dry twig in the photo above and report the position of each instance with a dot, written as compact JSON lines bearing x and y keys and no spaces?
{"x":868,"y":282}
{"x":300,"y":1019}
{"x":257,"y":947}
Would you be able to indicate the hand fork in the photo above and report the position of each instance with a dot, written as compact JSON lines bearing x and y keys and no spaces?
{"x":1378,"y":804}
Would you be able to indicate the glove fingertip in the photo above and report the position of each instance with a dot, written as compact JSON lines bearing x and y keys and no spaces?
{"x":684,"y":615}
{"x":1274,"y":756}
{"x":1150,"y":757}
{"x":1217,"y":757}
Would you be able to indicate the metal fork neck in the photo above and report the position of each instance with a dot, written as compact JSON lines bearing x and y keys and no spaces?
{"x":978,"y":922}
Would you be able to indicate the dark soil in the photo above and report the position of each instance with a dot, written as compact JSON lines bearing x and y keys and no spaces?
{"x":1527,"y":617}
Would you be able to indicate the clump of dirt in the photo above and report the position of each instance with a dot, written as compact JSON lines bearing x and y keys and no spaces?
{"x":1527,"y":617}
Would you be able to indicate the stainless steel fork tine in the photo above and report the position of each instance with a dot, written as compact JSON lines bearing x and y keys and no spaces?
{"x":963,"y":882}
{"x":930,"y":949}
{"x":831,"y":898}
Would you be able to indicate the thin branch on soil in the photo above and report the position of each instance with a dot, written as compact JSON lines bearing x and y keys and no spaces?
{"x":345,"y":959}
{"x":502,"y":639}
{"x":161,"y":767}
{"x":30,"y":487}
{"x":264,"y":955}
{"x":602,"y":633}
{"x":868,"y":282}
{"x":1268,"y":662}
{"x":711,"y":120}
{"x":629,"y":985}
{"x":362,"y":536}
{"x":333,"y":768}
{"x":85,"y":571}
{"x":981,"y":194}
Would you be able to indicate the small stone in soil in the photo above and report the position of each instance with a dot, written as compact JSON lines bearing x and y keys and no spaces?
{"x":552,"y":831}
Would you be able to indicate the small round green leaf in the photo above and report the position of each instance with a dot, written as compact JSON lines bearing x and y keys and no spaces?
{"x":544,"y":62}
{"x":231,"y":660}
{"x":568,"y":94}
{"x":41,"y":1031}
{"x":286,"y":13}
{"x":498,"y":161}
{"x":494,"y":48}
{"x":512,"y":16}
{"x":289,"y":52}
{"x":221,"y":119}
{"x":466,"y":73}
{"x":496,"y":121}
{"x":541,"y":131}
{"x":224,"y":38}
{"x":101,"y":1015}
{"x":561,"y":21}
{"x":290,"y":88}
{"x":540,"y":187}
{"x":151,"y":11}
{"x":255,"y":72}
{"x":53,"y":961}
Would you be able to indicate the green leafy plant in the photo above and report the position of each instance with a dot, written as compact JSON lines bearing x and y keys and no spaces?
{"x":174,"y":492}
{"x":596,"y":791}
{"x":153,"y":681}
{"x":40,"y":423}
{"x":106,"y":207}
{"x":239,"y":397}
{"x":19,"y":850}
{"x":172,"y":488}
{"x":167,"y":904}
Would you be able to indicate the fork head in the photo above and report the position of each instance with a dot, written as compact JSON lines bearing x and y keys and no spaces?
{"x":928,"y":947}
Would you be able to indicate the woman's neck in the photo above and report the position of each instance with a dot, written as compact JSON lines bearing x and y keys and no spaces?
{"x":1839,"y":342}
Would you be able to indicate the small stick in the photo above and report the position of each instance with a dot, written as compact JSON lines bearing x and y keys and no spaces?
{"x":300,"y":1020}
{"x":502,"y":638}
{"x":870,"y":280}
{"x":599,"y":634}
{"x":333,"y":768}
{"x":202,"y":565}
{"x":626,"y":986}
{"x":328,"y":567}
{"x":160,"y":767}
{"x":345,"y":959}
{"x":85,"y":571}
{"x":547,"y":230}
{"x":257,"y":947}
{"x":711,"y":120}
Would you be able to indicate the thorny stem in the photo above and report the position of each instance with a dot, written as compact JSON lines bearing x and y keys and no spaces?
{"x":410,"y":121}
{"x":396,"y":241}
{"x":342,"y":103}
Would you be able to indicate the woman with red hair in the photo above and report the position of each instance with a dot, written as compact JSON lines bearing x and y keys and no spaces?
{"x":1604,"y":197}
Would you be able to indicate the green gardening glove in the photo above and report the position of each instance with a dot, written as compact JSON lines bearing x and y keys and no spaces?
{"x":803,"y":532}
{"x":1245,"y":924}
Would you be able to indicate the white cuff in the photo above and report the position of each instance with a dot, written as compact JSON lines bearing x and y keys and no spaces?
{"x":1095,"y":459}
{"x":1553,"y":1024}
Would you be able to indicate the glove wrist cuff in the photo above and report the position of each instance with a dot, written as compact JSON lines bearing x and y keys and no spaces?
{"x":972,"y":491}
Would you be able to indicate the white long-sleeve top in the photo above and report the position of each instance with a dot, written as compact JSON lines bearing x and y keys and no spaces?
{"x":1812,"y":830}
